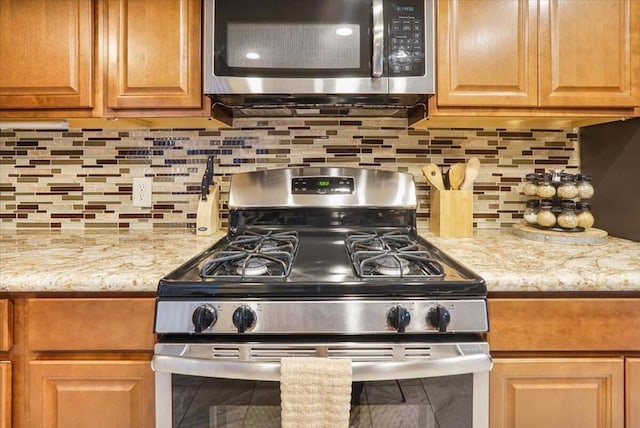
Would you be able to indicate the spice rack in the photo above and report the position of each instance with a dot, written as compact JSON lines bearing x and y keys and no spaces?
{"x":558,"y":208}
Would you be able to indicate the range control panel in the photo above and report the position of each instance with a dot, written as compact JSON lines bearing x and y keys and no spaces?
{"x":322,"y":185}
{"x":406,"y":38}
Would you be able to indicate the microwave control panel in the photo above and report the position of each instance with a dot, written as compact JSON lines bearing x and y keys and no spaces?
{"x":322,"y":185}
{"x":406,"y":38}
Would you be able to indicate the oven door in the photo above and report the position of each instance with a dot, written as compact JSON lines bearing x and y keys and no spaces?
{"x":409,"y":385}
{"x":294,"y":47}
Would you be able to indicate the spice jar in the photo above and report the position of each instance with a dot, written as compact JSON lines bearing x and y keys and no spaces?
{"x":568,"y":219}
{"x":585,"y":189}
{"x":585,"y":218}
{"x":544,"y":188}
{"x":531,"y":212}
{"x":530,"y":186}
{"x":545,"y":217}
{"x":567,"y":188}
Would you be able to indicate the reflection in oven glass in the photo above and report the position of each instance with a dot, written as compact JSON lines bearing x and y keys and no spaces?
{"x":441,"y":402}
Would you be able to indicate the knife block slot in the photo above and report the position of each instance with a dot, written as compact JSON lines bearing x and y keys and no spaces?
{"x":207,"y":217}
{"x":451,"y":213}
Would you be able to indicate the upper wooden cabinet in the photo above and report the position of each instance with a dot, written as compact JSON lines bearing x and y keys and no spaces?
{"x":154,"y":54}
{"x":539,"y":53}
{"x":46,"y":52}
{"x":144,"y":59}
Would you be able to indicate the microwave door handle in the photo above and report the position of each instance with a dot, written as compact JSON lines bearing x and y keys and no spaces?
{"x":362,"y":371}
{"x":378,"y":39}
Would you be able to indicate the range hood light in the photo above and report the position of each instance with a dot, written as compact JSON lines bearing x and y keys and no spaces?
{"x":252,"y":55}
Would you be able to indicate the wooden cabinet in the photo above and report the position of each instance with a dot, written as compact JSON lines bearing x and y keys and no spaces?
{"x":153,"y":54}
{"x":545,"y":372}
{"x":557,"y":393}
{"x":538,"y":54}
{"x":632,"y":382}
{"x":5,"y":394}
{"x":98,"y":394}
{"x":83,"y":362}
{"x":103,"y":58}
{"x":6,"y":325}
{"x":47,"y":54}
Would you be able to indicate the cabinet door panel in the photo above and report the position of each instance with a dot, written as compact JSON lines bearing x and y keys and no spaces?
{"x":97,"y":394}
{"x":557,"y":393}
{"x":589,"y":53}
{"x":154,"y":54}
{"x":632,"y":383}
{"x":487,"y":53}
{"x":47,"y":54}
{"x":5,"y":394}
{"x":6,"y":325}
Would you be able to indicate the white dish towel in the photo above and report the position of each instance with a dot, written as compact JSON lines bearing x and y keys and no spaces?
{"x":315,"y":392}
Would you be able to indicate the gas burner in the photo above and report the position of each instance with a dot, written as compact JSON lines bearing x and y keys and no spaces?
{"x":391,"y":255}
{"x":250,"y":255}
{"x":388,"y":265}
{"x":252,"y":267}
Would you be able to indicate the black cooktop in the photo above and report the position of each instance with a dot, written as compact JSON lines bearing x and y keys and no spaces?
{"x":322,"y":263}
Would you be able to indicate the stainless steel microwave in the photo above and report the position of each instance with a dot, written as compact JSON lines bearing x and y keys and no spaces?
{"x":365,"y":47}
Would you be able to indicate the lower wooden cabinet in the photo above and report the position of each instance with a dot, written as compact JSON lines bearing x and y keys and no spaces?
{"x":97,"y":394}
{"x":632,"y":383}
{"x":557,"y":393}
{"x":5,"y":394}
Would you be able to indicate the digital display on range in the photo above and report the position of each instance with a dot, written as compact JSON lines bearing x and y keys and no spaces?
{"x":322,"y":185}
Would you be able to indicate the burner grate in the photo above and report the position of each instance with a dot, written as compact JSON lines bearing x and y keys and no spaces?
{"x":391,"y":255}
{"x":252,"y":255}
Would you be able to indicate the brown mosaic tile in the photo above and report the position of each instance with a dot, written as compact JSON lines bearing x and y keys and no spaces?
{"x":79,"y":178}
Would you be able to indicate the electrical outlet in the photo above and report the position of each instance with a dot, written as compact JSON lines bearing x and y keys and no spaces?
{"x":141,"y":194}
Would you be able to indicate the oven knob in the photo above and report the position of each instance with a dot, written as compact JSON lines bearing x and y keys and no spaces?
{"x":398,"y":318}
{"x":203,"y":317}
{"x":439,"y":317}
{"x":244,"y":318}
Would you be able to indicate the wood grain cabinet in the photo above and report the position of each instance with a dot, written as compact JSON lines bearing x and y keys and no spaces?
{"x":538,"y":53}
{"x":632,"y":382}
{"x":557,"y":393}
{"x":5,"y":394}
{"x":46,"y":52}
{"x":88,"y":363}
{"x":102,"y":58}
{"x":545,"y":373}
{"x":154,"y":54}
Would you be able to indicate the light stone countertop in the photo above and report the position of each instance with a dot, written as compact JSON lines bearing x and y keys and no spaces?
{"x":127,"y":261}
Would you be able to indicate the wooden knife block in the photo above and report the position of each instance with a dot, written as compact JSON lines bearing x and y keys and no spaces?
{"x":451,"y":213}
{"x":207,"y":217}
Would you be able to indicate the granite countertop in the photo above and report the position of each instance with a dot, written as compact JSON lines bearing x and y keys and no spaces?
{"x":99,"y":261}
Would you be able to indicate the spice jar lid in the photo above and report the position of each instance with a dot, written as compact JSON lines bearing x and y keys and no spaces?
{"x":584,"y":177}
{"x":532,"y":177}
{"x":545,"y":204}
{"x":533,"y":203}
{"x":567,"y":178}
{"x":583,"y":206}
{"x":568,"y":204}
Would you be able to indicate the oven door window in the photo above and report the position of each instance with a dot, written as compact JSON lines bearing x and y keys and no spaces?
{"x":293,"y":38}
{"x":428,"y":402}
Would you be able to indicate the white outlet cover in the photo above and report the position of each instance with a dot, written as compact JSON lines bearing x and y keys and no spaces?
{"x":141,"y":194}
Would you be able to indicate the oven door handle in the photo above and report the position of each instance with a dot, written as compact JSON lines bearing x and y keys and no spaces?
{"x":362,"y":371}
{"x":378,"y":39}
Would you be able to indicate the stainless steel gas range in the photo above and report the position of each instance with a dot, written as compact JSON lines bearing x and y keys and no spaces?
{"x":322,"y":262}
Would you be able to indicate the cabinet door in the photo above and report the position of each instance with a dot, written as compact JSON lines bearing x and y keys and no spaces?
{"x":487,"y":53}
{"x":96,"y":394}
{"x":5,"y":394}
{"x":632,"y":383}
{"x":154,"y":54}
{"x":46,"y":49}
{"x":557,"y":393}
{"x":589,"y":53}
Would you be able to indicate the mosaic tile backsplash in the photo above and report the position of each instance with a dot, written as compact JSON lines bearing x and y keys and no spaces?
{"x":82,"y":178}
